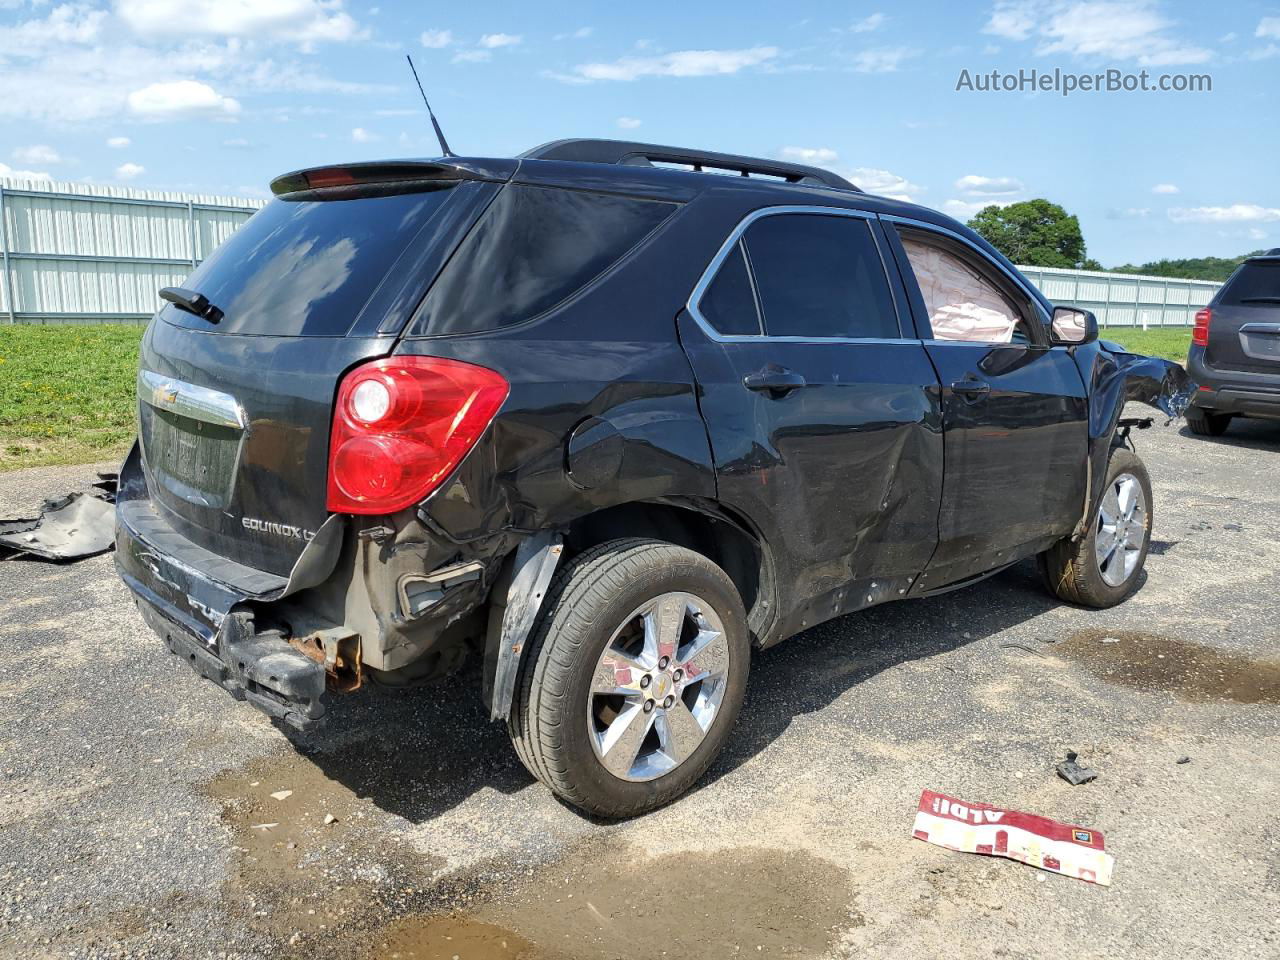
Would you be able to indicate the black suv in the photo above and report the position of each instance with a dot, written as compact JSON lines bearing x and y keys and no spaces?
{"x":607,"y":418}
{"x":1235,"y":349}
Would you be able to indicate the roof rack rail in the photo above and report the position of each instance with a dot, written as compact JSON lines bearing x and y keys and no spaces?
{"x":628,"y":153}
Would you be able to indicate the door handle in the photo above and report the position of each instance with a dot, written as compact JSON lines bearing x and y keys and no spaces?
{"x":971,"y":389}
{"x":778,"y":381}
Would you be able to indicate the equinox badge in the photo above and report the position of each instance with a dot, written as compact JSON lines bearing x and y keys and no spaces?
{"x":279,"y":529}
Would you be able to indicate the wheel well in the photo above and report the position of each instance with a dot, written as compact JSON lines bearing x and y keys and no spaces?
{"x":718,"y":536}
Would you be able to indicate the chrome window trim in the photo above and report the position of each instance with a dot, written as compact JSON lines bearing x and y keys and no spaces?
{"x":1017,"y":280}
{"x":190,"y":400}
{"x":700,"y":288}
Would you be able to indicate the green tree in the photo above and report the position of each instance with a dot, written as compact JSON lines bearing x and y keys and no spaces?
{"x":1195,"y":268}
{"x":1034,"y":232}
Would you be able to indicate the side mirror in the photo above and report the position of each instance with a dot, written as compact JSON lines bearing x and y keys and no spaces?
{"x":1072,"y":327}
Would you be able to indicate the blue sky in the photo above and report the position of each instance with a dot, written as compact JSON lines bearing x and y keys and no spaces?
{"x":221,"y":95}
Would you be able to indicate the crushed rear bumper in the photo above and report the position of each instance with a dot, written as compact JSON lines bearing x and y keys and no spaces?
{"x":202,"y":607}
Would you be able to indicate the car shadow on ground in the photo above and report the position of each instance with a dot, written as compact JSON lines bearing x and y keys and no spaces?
{"x":417,"y":754}
{"x":1249,"y":434}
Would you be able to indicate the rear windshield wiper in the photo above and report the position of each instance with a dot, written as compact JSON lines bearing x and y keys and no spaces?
{"x":192,"y":302}
{"x":1260,"y":299}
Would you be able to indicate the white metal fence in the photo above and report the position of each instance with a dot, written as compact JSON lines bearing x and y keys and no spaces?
{"x":1125,"y":299}
{"x":81,"y":252}
{"x":85,"y":253}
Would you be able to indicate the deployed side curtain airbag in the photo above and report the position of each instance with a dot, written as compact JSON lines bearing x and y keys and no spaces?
{"x":961,"y":305}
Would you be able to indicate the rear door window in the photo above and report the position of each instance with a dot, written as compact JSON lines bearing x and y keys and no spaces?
{"x":533,"y":249}
{"x":306,"y":268}
{"x":820,"y":276}
{"x":1254,"y":283}
{"x":729,"y":304}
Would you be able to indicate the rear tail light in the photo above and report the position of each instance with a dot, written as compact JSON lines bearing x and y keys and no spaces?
{"x":400,"y":427}
{"x":1200,"y":332}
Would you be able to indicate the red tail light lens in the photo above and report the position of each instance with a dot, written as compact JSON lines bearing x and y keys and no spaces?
{"x":400,"y":427}
{"x":1200,"y":332}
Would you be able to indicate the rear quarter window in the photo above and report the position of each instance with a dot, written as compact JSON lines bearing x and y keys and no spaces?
{"x":533,"y":248}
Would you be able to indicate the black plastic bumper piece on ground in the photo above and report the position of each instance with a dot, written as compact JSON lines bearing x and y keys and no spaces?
{"x":261,"y":669}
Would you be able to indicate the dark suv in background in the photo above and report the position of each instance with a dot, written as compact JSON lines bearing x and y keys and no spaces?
{"x":1235,"y":349}
{"x":606,"y":418}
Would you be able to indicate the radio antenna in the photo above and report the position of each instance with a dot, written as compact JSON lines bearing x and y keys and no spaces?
{"x":444,"y":144}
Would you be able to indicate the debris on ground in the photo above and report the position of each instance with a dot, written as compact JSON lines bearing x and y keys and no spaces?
{"x":1184,"y":760}
{"x":282,"y":795}
{"x":1073,"y":772}
{"x":991,"y":831}
{"x":69,"y":528}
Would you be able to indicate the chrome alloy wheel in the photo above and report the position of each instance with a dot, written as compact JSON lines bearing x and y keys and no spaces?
{"x":1122,"y":527}
{"x":657,"y":687}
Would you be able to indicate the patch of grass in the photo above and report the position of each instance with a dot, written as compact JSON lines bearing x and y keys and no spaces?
{"x":1171,"y":343}
{"x":66,"y":393}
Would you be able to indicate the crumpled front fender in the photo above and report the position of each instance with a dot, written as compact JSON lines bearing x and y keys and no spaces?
{"x":1115,"y":377}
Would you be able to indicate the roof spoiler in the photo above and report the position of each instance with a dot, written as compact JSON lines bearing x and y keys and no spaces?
{"x":628,"y":153}
{"x":390,"y":173}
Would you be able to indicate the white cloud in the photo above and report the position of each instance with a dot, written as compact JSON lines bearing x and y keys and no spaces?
{"x":580,"y":34}
{"x":964,"y":209}
{"x":884,"y":60}
{"x":163,"y":101}
{"x":1165,"y":188}
{"x":884,"y":183}
{"x":118,"y":143}
{"x":1129,"y":213}
{"x":436,"y":39}
{"x":1268,"y":27}
{"x":868,"y":24}
{"x":361,"y":135}
{"x":295,"y":21}
{"x":1257,"y":233}
{"x":627,"y":123}
{"x":37,"y":153}
{"x":681,"y":63}
{"x":817,"y":156}
{"x":472,"y":56}
{"x":8,"y":171}
{"x":492,"y":41}
{"x":1095,"y":30}
{"x":976,"y":186}
{"x":1236,"y":213}
{"x":127,"y":171}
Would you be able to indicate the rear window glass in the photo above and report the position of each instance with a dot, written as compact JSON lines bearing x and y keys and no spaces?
{"x":533,"y":248}
{"x":729,"y":304}
{"x":820,"y":276}
{"x":307,"y":268}
{"x":1252,"y":283}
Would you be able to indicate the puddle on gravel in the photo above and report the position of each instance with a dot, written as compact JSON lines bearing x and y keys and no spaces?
{"x":607,"y":901}
{"x":298,"y":876}
{"x":1191,"y":671}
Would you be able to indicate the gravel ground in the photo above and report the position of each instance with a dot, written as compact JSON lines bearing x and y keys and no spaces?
{"x":143,"y":813}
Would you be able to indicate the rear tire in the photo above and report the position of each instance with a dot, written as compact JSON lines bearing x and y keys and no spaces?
{"x":630,"y":748}
{"x":1206,"y":423}
{"x":1104,"y":567}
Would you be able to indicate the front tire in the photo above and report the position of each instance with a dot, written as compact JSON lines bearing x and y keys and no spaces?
{"x":1104,"y":567}
{"x":633,"y":677}
{"x":1206,"y":423}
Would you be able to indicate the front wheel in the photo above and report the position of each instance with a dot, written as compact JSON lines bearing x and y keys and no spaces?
{"x":633,"y":677}
{"x":1102,"y":569}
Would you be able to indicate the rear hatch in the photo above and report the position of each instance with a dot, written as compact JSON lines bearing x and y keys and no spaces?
{"x":234,"y":416}
{"x":1244,"y":331}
